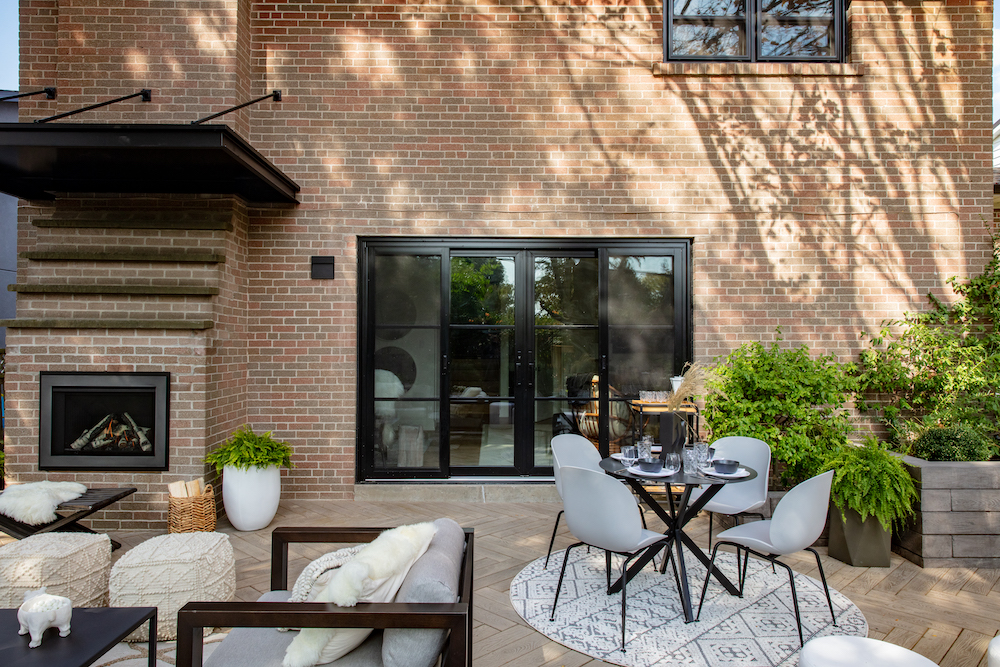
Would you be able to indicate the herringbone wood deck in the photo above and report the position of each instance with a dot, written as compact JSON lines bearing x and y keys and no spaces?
{"x":948,"y":615}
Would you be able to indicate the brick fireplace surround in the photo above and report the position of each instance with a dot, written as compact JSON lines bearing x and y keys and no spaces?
{"x":179,"y":303}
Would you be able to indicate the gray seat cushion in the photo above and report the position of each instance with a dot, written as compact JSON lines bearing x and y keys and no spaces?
{"x":433,"y":578}
{"x":265,"y":647}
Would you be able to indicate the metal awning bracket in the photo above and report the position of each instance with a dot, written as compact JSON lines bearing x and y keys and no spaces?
{"x":50,"y":94}
{"x":273,"y":95}
{"x":146,"y":94}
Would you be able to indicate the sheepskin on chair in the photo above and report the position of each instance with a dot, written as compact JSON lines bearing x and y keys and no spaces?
{"x":35,"y":503}
{"x":373,"y":575}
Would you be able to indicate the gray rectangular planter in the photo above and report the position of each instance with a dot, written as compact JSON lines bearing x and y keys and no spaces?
{"x":957,"y":523}
{"x":856,"y":542}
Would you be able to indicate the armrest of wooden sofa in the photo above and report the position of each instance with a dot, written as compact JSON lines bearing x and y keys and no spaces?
{"x":456,"y":617}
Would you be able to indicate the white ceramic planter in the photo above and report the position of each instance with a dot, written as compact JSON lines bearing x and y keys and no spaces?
{"x":251,"y":496}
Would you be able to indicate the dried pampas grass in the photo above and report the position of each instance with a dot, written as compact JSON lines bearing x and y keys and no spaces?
{"x":696,"y":377}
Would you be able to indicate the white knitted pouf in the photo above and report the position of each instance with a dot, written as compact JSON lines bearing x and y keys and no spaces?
{"x":74,"y":565}
{"x":169,"y":571}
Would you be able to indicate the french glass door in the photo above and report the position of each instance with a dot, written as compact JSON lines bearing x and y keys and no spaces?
{"x":474,"y":355}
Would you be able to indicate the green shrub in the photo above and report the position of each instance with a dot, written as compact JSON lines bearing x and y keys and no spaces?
{"x":958,"y":442}
{"x":872,"y":481}
{"x":941,"y":366}
{"x":786,"y":398}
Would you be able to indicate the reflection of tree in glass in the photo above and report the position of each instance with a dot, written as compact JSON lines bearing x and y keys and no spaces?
{"x":708,"y":40}
{"x":797,"y":7}
{"x":641,"y":290}
{"x":709,"y":7}
{"x":480,"y":291}
{"x":797,"y":40}
{"x":565,"y":290}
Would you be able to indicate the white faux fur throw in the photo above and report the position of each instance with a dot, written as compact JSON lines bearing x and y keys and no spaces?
{"x":35,"y":503}
{"x":373,"y":575}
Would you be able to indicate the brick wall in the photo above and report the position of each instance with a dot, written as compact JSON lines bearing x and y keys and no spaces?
{"x":821,"y":198}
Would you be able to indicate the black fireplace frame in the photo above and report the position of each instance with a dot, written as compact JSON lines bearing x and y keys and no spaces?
{"x":110,"y":381}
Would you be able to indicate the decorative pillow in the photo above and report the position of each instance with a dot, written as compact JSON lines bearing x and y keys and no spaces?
{"x":35,"y":503}
{"x":316,"y":575}
{"x":373,"y":575}
{"x":433,"y":578}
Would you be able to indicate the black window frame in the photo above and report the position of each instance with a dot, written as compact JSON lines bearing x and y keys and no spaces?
{"x":754,"y":21}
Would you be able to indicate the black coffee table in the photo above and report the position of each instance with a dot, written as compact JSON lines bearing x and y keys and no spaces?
{"x":93,"y":632}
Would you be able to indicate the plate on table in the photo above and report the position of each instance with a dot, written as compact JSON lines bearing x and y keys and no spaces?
{"x":617,"y":456}
{"x":742,"y":472}
{"x":642,"y":473}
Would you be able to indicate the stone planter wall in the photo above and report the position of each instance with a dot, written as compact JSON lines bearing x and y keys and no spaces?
{"x":957,"y":523}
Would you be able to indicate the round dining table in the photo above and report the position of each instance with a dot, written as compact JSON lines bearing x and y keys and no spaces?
{"x":675,"y":517}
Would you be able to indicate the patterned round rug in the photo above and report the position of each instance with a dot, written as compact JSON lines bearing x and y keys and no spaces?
{"x":757,"y":629}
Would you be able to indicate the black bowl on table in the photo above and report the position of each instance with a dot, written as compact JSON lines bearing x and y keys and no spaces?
{"x":726,"y":466}
{"x":650,"y":465}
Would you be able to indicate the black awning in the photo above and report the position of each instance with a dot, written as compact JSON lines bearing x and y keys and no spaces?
{"x":42,"y":161}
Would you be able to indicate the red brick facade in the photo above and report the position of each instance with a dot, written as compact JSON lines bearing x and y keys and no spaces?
{"x":820,"y":198}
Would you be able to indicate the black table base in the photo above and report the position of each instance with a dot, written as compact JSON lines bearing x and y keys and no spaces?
{"x":675,"y":519}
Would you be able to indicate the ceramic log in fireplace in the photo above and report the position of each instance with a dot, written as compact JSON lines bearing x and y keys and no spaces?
{"x":103,"y":421}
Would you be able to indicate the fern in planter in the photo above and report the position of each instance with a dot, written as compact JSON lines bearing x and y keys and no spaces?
{"x":246,"y":449}
{"x":872,"y":481}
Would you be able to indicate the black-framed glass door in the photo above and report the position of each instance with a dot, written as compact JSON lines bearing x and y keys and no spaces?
{"x":473,"y":354}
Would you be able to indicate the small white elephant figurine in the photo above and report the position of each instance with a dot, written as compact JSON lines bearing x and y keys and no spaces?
{"x":41,"y":611}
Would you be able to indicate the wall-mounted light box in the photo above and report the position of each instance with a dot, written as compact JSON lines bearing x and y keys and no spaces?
{"x":321,"y":268}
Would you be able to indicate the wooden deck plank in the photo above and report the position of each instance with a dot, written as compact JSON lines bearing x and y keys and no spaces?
{"x":935,"y":644}
{"x":967,"y":651}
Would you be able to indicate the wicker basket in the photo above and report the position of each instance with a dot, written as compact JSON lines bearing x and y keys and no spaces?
{"x":192,"y":515}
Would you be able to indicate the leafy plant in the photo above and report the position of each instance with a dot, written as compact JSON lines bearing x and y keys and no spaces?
{"x":872,"y":481}
{"x":245,"y":449}
{"x":786,"y":398}
{"x":941,"y":366}
{"x":958,"y":442}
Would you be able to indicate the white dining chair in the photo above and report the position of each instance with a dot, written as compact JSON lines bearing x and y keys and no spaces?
{"x":797,"y":521}
{"x":602,"y":513}
{"x":570,"y":449}
{"x":739,"y":500}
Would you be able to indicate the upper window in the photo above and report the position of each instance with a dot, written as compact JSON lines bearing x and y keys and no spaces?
{"x":753,"y":30}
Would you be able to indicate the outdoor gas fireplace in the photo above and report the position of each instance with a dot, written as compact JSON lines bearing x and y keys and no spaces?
{"x":103,"y":421}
